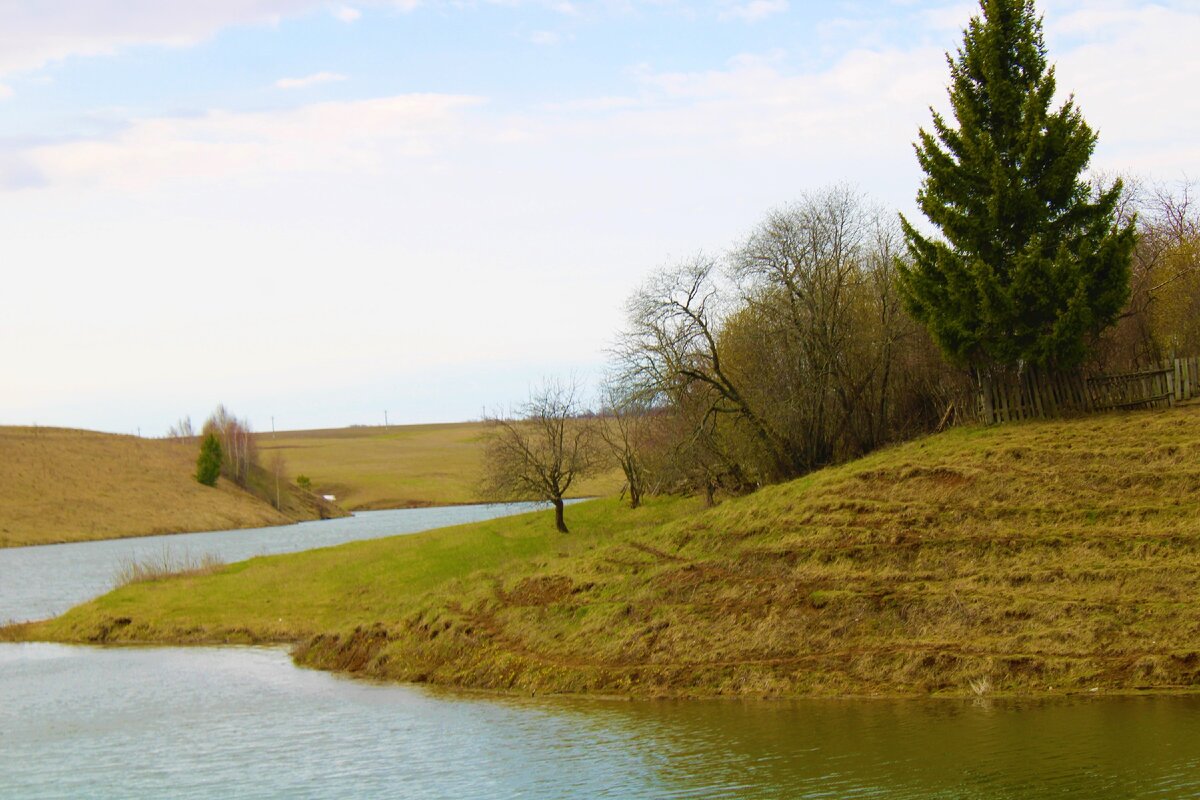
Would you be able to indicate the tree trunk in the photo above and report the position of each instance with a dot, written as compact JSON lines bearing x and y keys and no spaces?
{"x":632,"y":481}
{"x":558,"y":516}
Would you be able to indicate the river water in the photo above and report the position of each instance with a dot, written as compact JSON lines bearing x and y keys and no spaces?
{"x":41,"y":582}
{"x":245,"y":722}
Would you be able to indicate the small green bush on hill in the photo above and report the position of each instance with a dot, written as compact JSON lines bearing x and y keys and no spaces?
{"x":208,"y":464}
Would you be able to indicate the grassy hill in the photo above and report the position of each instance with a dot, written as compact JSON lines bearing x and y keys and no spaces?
{"x":60,"y":485}
{"x":396,"y":467}
{"x":1039,"y":557}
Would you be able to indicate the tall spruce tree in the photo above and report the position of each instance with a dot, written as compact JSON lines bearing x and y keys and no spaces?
{"x":1031,"y":260}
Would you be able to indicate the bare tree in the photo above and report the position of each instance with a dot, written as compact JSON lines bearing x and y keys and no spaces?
{"x":540,"y":451}
{"x":792,"y":353}
{"x":1163,"y":314}
{"x":673,"y":346}
{"x":623,"y":427}
{"x":182,"y":429}
{"x":278,"y":470}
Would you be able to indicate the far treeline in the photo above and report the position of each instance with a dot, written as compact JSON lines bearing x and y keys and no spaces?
{"x":836,"y":327}
{"x":228,"y":449}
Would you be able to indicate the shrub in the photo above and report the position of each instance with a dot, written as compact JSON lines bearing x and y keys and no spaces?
{"x":208,"y":464}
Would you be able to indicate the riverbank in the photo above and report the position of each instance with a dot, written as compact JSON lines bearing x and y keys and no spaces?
{"x":63,"y":485}
{"x":1045,"y":557}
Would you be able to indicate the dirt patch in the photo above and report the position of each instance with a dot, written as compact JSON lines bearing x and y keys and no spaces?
{"x":539,"y":591}
{"x":351,"y":652}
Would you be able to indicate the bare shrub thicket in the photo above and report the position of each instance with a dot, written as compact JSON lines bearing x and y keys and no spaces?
{"x":790,"y":353}
{"x":182,"y":430}
{"x":237,"y":444}
{"x":1163,"y":314}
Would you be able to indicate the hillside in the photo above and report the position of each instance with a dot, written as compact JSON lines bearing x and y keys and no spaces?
{"x":1039,"y":557}
{"x":399,"y":466}
{"x":61,"y":485}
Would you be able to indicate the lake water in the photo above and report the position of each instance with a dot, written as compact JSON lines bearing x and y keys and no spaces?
{"x":245,"y":722}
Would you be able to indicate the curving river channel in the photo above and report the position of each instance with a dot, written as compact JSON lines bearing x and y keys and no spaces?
{"x":244,"y":722}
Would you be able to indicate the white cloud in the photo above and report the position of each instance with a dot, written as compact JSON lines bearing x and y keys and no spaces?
{"x":33,"y":34}
{"x":315,"y":79}
{"x":1134,"y":73}
{"x":595,"y":104}
{"x":5,"y":91}
{"x":1134,"y":80}
{"x":346,"y":137}
{"x":953,"y":17}
{"x":754,"y":10}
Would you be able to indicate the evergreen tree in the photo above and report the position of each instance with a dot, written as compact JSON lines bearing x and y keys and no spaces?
{"x":208,"y":464}
{"x":1031,"y":261}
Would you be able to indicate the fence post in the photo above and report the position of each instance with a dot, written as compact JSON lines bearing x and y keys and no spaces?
{"x":985,"y":398}
{"x":1035,"y":397}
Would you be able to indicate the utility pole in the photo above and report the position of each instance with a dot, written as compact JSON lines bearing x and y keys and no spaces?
{"x":385,"y":419}
{"x":272,"y":426}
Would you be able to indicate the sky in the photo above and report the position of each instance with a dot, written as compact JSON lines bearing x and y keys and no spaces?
{"x":318,"y":212}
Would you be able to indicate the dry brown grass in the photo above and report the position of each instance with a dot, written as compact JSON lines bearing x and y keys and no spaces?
{"x":1053,"y":556}
{"x":165,"y":564}
{"x":1037,"y":557}
{"x":60,"y":485}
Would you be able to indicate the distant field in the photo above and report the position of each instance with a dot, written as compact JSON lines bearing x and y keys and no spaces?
{"x":395,"y":467}
{"x":60,"y":485}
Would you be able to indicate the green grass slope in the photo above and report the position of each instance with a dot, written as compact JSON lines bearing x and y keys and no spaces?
{"x":63,"y":485}
{"x":1041,"y":557}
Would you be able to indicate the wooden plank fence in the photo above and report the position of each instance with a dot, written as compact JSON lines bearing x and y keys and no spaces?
{"x":1037,"y":394}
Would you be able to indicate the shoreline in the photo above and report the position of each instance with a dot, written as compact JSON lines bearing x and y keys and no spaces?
{"x":411,"y":506}
{"x":1041,"y":560}
{"x":289,"y":646}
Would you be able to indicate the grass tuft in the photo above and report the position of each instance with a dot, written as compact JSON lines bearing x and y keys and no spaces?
{"x":165,"y":564}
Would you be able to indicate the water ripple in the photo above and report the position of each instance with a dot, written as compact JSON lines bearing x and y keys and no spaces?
{"x":244,"y":722}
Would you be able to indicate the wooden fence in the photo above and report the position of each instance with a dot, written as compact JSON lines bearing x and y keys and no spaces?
{"x":1036,"y":394}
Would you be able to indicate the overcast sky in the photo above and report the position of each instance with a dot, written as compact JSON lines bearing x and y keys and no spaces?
{"x":320,"y":211}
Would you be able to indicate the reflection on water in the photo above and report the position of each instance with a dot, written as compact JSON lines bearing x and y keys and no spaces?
{"x":41,"y":582}
{"x":244,"y":722}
